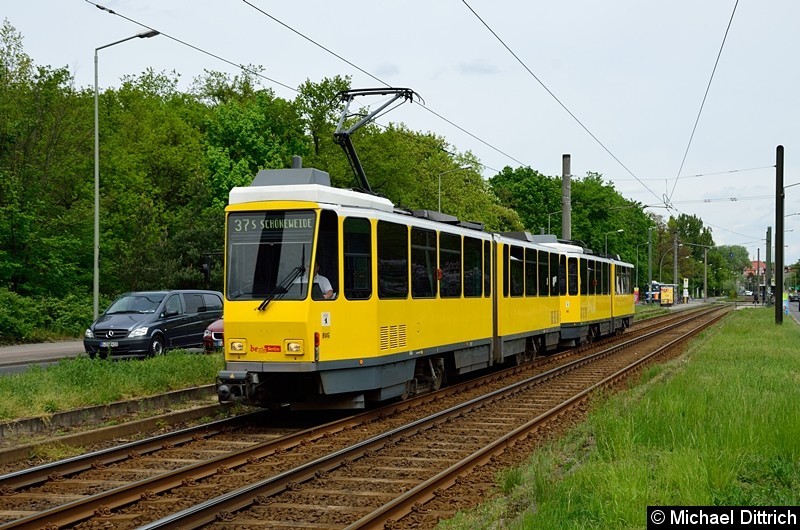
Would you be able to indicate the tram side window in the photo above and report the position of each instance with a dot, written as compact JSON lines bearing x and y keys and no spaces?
{"x":516,"y":268}
{"x":423,"y":263}
{"x":392,"y":260}
{"x":506,"y":275}
{"x":530,"y":272}
{"x":628,"y":284}
{"x":598,"y":289}
{"x":554,"y":274}
{"x":592,"y":264}
{"x":487,"y":268}
{"x":450,"y":263}
{"x":623,"y":280}
{"x":357,"y":258}
{"x":600,"y":278}
{"x":562,"y":275}
{"x":584,"y":279}
{"x":572,"y":272}
{"x":327,"y":253}
{"x":544,"y":274}
{"x":606,"y":277}
{"x":473,"y":276}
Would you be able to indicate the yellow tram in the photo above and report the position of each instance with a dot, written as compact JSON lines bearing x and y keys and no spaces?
{"x":335,"y":299}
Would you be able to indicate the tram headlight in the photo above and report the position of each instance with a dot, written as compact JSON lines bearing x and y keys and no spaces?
{"x":294,"y":347}
{"x":237,"y":346}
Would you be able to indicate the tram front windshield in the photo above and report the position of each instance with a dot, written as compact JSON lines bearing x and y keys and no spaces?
{"x":268,"y":254}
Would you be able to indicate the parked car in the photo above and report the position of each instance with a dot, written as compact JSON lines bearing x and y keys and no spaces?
{"x":148,"y":323}
{"x":212,"y":337}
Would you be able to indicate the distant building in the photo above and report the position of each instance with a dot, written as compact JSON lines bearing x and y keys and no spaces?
{"x":756,"y":268}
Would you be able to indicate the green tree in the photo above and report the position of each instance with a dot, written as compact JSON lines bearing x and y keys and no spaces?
{"x":249,"y":131}
{"x":44,"y":228}
{"x":535,"y":197}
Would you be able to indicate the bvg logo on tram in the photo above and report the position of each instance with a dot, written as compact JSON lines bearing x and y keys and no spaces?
{"x":268,"y":348}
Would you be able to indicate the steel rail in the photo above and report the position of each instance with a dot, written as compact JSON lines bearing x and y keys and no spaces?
{"x":406,"y":503}
{"x":211,"y":510}
{"x":82,"y":509}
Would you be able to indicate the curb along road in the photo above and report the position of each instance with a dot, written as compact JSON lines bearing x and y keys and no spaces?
{"x":37,"y":353}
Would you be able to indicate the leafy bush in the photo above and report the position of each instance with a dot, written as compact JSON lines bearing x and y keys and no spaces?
{"x":18,"y":317}
{"x":41,"y":318}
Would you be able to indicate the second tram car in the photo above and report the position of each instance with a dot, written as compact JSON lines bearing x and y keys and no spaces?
{"x":334,"y":298}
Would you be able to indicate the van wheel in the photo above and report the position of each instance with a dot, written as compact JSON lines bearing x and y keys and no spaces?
{"x":156,"y":346}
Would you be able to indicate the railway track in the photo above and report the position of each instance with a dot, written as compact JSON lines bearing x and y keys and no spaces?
{"x":14,"y":454}
{"x":390,"y":447}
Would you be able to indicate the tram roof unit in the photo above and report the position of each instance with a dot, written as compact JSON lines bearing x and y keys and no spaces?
{"x":303,"y":184}
{"x":313,"y":185}
{"x":550,"y":241}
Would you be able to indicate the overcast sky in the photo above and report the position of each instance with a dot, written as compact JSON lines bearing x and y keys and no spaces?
{"x":617,"y":84}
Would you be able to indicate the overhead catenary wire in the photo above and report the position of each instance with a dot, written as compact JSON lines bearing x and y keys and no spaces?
{"x":192,"y":46}
{"x":315,"y":43}
{"x":705,"y":96}
{"x":260,"y":75}
{"x":276,"y":82}
{"x":550,"y":92}
{"x":706,"y":174}
{"x":271,"y":80}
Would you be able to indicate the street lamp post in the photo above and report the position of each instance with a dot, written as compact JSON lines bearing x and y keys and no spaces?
{"x":440,"y":181}
{"x":661,"y":261}
{"x":548,"y":220}
{"x":705,"y":267}
{"x":619,"y":231}
{"x":637,"y":261}
{"x":96,"y":286}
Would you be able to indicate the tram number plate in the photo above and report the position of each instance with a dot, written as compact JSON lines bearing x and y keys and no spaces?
{"x":113,"y":344}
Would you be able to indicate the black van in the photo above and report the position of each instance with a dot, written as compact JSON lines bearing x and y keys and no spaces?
{"x":147,"y":323}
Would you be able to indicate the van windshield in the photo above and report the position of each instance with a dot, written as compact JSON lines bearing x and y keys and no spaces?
{"x":136,"y":303}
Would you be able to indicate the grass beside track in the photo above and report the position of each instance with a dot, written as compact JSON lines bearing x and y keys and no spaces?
{"x":719,"y":427}
{"x":82,"y":382}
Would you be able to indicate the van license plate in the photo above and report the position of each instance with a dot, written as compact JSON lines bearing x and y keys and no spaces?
{"x":109,"y":344}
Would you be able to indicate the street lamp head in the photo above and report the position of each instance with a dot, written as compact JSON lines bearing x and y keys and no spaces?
{"x":148,"y":34}
{"x":618,"y":231}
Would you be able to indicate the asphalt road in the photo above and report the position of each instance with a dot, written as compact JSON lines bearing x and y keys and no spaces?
{"x":48,"y":351}
{"x":18,"y":357}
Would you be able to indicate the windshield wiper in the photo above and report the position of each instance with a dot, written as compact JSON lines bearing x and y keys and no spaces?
{"x":281,"y":288}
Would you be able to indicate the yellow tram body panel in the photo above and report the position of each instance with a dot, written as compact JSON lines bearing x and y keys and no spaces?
{"x":414,"y":325}
{"x":518,"y":315}
{"x":347,"y":330}
{"x":335,"y":298}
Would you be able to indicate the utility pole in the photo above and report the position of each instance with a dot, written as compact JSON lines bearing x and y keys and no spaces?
{"x":649,"y":259}
{"x":705,"y":274}
{"x":566,"y":198}
{"x":757,"y":288}
{"x":675,"y":259}
{"x":779,"y":196}
{"x":768,"y":274}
